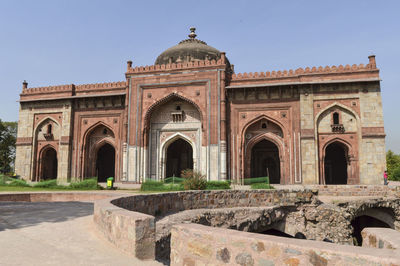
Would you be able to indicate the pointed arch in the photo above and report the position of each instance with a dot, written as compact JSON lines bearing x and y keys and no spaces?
{"x":48,"y":163}
{"x":345,"y":143}
{"x":259,"y":118}
{"x":164,"y":147}
{"x":94,"y":126}
{"x":248,"y":149}
{"x":89,"y":150}
{"x":331,"y":107}
{"x":167,"y":98}
{"x":44,"y":121}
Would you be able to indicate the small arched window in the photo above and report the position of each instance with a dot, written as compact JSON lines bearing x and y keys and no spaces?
{"x":105,"y":131}
{"x":178,"y":108}
{"x":264,"y":125}
{"x":49,"y":129}
{"x":336,"y":118}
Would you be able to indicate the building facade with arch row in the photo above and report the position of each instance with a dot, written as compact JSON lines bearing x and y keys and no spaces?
{"x":190,"y":110}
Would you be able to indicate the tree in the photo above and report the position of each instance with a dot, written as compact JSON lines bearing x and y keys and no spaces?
{"x":393,"y":165}
{"x":8,"y":135}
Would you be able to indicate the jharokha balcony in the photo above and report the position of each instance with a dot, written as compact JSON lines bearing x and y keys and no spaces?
{"x":337,"y":128}
{"x":48,"y":136}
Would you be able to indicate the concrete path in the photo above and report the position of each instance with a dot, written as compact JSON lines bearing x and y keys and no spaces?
{"x":55,"y":233}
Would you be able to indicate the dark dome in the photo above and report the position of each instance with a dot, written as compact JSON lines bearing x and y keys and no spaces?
{"x":188,"y":50}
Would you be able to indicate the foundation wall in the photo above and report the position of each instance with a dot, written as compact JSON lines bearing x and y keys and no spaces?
{"x":193,"y":244}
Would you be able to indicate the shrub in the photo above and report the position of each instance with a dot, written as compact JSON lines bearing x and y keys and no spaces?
{"x":261,"y":186}
{"x":255,"y":180}
{"x":187,"y":173}
{"x":48,"y":184}
{"x":89,"y":183}
{"x":195,"y":182}
{"x":218,"y":185}
{"x":18,"y":183}
{"x":396,"y":174}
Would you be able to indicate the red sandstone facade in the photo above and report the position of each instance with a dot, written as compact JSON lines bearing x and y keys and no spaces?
{"x":306,"y":126}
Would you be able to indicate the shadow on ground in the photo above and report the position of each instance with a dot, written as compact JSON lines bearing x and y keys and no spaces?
{"x":14,"y":215}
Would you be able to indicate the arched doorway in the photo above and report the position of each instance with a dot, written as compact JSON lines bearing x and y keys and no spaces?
{"x":105,"y":162}
{"x":265,"y":161}
{"x":335,"y":164}
{"x":361,"y":222}
{"x":179,"y":157}
{"x":49,"y":164}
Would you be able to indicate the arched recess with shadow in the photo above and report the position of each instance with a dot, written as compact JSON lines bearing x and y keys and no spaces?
{"x":179,"y":156}
{"x":373,"y":217}
{"x":264,"y":153}
{"x":48,"y":163}
{"x":105,"y":162}
{"x":336,"y":163}
{"x":100,"y":157}
{"x":265,"y":161}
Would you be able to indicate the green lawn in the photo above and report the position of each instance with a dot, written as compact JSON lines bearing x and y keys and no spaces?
{"x":27,"y":189}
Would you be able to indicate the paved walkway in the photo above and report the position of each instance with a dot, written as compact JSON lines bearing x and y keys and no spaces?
{"x":55,"y":233}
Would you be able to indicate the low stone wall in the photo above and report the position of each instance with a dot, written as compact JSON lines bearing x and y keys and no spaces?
{"x":381,"y":238}
{"x":357,"y":190}
{"x":167,"y":203}
{"x":193,"y":244}
{"x":54,"y":196}
{"x":130,"y":231}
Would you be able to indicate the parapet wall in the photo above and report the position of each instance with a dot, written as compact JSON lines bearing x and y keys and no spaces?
{"x":167,"y":203}
{"x":380,"y":238}
{"x":193,"y":244}
{"x":357,"y":190}
{"x":132,"y":232}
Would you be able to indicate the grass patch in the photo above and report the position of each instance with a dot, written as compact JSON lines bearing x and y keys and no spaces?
{"x":211,"y":185}
{"x":12,"y":184}
{"x":48,"y":184}
{"x":261,"y":186}
{"x":152,"y":185}
{"x":18,"y":183}
{"x":27,"y":189}
{"x":173,"y":180}
{"x":87,"y":184}
{"x":255,"y":180}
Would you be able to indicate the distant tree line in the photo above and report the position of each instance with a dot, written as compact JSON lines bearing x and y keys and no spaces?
{"x":8,"y":136}
{"x":393,"y":165}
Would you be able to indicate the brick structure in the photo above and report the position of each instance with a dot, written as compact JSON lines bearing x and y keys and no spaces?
{"x":191,"y":110}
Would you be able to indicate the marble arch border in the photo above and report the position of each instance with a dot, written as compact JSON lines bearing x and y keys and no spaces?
{"x":164,"y":147}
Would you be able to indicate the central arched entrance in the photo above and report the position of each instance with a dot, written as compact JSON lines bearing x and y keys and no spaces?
{"x":335,"y":164}
{"x":179,"y":157}
{"x":265,"y":161}
{"x":105,"y":163}
{"x":49,"y":164}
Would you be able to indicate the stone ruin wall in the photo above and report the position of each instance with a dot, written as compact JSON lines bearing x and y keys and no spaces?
{"x":289,"y":211}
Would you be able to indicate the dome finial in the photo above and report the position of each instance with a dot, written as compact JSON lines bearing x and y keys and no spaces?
{"x":192,"y":34}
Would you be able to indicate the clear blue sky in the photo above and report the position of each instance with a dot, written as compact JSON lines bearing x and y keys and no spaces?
{"x":63,"y":42}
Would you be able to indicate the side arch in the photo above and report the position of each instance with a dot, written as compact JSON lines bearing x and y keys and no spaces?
{"x":350,"y":141}
{"x":89,"y":150}
{"x":47,"y":167}
{"x":247,"y":158}
{"x":36,"y":151}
